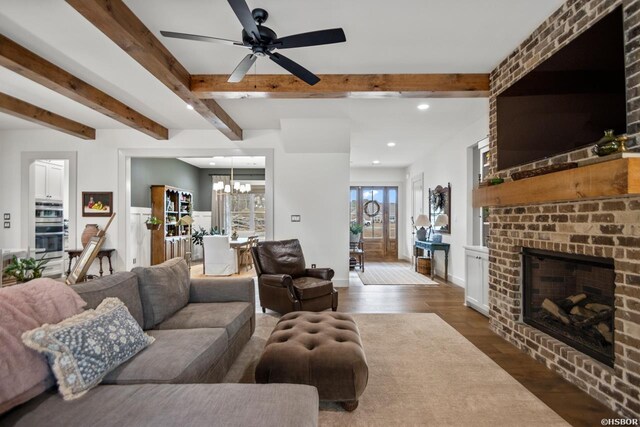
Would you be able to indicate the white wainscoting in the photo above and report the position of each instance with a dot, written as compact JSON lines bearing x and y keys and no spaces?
{"x":139,"y":238}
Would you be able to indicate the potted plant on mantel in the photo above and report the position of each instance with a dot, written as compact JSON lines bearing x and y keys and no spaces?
{"x":355,"y":231}
{"x":153,"y":223}
{"x":25,"y":269}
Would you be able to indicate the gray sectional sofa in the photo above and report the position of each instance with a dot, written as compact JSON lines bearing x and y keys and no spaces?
{"x":200,"y":327}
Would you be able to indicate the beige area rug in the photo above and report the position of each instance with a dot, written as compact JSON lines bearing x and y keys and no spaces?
{"x":422,"y":372}
{"x":392,"y":273}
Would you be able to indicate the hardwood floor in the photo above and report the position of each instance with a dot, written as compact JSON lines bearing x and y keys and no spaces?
{"x":572,"y":404}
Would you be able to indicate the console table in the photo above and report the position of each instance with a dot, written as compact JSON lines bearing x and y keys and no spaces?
{"x":73,"y":253}
{"x":432,"y":247}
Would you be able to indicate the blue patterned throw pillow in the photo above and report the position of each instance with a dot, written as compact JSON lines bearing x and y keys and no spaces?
{"x":82,"y":349}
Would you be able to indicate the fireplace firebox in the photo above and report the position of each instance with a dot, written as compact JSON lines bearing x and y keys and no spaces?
{"x":571,"y":297}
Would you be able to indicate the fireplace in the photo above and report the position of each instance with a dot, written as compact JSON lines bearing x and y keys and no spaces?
{"x":571,"y":297}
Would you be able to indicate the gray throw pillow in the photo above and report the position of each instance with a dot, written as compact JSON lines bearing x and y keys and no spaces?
{"x":82,"y":349}
{"x":164,"y":289}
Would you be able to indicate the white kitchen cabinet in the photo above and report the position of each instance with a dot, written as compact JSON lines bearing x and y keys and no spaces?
{"x":477,"y":278}
{"x":49,"y":178}
{"x":40,"y":180}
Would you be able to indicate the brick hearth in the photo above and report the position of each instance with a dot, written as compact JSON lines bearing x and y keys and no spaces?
{"x":604,"y":228}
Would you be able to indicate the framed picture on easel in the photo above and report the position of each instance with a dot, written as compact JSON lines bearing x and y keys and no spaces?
{"x":88,"y":255}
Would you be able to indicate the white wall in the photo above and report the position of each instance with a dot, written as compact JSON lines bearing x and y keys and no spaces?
{"x":369,"y":176}
{"x":391,"y":177}
{"x":447,"y":162}
{"x":314,"y":186}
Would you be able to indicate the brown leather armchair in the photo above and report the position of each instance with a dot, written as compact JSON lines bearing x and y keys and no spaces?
{"x":284,"y":282}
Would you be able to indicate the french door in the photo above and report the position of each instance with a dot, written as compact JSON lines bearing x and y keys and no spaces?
{"x":376,"y":208}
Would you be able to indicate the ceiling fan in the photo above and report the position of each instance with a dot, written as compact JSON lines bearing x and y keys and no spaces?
{"x":262,"y":41}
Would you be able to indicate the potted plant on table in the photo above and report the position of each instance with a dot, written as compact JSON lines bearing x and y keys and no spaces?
{"x":25,"y":269}
{"x":153,"y":223}
{"x":355,"y":231}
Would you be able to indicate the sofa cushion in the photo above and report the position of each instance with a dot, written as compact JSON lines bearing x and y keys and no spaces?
{"x":24,"y":373}
{"x":164,"y":289}
{"x":228,"y":315}
{"x":123,"y":285}
{"x":281,"y":257}
{"x":153,"y":405}
{"x":177,"y":356}
{"x":83,"y":348}
{"x":312,"y":287}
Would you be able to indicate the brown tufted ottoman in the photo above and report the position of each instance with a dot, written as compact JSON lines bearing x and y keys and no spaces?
{"x":319,"y":349}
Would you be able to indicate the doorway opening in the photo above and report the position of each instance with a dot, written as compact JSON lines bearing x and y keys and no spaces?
{"x":376,"y":208}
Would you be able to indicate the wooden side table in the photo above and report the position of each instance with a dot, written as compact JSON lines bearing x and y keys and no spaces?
{"x":431,"y":247}
{"x":356,"y":251}
{"x":74,"y":253}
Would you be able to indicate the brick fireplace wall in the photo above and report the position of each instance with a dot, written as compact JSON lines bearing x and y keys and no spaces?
{"x":605,"y":228}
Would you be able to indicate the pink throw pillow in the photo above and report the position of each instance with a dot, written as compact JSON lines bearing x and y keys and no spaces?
{"x":24,"y":373}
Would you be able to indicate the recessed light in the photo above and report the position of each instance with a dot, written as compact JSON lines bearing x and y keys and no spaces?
{"x":391,"y":144}
{"x":376,"y":162}
{"x":423,"y":107}
{"x":189,"y":107}
{"x":212,"y":163}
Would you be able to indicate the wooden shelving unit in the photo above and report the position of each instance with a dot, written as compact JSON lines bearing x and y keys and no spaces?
{"x":169,"y":204}
{"x":620,"y":177}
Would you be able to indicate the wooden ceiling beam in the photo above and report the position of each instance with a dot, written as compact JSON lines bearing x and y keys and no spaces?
{"x":344,"y":86}
{"x":26,"y":63}
{"x":21,"y":109}
{"x":123,"y":27}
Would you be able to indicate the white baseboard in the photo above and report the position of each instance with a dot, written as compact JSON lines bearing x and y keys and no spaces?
{"x":457,"y":281}
{"x":340,"y":283}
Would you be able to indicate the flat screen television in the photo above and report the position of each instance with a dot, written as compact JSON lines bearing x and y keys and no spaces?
{"x":567,"y":101}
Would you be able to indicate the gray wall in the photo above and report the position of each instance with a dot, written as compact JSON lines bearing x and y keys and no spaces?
{"x":146,"y":172}
{"x":204,"y":190}
{"x":173,"y":172}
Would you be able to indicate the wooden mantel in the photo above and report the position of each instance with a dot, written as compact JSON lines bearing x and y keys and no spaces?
{"x":620,"y":177}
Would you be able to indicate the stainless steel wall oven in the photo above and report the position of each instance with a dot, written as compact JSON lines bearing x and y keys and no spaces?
{"x":49,"y":233}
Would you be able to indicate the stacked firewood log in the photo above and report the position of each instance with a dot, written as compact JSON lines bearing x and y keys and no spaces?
{"x":579,"y":311}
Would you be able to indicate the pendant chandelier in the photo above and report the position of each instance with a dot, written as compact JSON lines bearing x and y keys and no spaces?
{"x":233,"y":186}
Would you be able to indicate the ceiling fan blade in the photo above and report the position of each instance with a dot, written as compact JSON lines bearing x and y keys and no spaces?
{"x":313,"y":38}
{"x":196,"y":37}
{"x":294,"y":68}
{"x":243,"y":67}
{"x":242,"y":11}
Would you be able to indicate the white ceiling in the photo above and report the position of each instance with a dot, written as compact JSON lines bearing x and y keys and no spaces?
{"x":404,"y":36}
{"x":11,"y":122}
{"x":226,"y":162}
{"x":374,"y":122}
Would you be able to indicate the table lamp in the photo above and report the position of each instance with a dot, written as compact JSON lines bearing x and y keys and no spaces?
{"x":422,"y":221}
{"x":188,"y":221}
{"x":442,"y":220}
